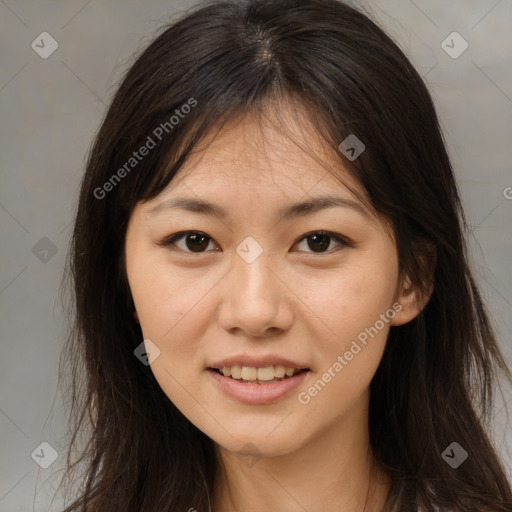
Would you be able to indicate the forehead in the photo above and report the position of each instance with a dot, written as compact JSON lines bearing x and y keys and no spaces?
{"x":278,"y":150}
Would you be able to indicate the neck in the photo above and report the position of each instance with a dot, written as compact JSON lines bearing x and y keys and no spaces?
{"x":334,"y":472}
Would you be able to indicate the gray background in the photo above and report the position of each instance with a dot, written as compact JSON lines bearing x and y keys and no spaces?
{"x":51,"y":108}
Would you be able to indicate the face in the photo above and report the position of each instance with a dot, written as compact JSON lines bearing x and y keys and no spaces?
{"x":258,"y":284}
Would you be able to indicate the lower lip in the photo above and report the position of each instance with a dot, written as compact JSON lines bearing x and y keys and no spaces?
{"x":254,"y":393}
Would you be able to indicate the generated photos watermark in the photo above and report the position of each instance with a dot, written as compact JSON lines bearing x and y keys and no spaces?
{"x":137,"y":156}
{"x":305,"y":397}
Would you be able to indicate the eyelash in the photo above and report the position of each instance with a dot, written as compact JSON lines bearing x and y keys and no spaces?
{"x":170,"y":240}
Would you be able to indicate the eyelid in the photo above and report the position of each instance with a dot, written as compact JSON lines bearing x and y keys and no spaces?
{"x":340,"y":239}
{"x":169,"y":240}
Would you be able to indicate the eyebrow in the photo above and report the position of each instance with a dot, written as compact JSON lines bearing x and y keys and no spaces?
{"x":295,"y":210}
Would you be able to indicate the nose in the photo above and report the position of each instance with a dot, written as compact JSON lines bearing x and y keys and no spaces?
{"x":255,"y":299}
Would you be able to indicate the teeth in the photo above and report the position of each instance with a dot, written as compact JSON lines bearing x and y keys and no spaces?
{"x":236,"y":372}
{"x":280,"y":371}
{"x":251,"y":373}
{"x":266,"y":373}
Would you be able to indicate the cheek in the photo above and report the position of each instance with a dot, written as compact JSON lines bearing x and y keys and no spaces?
{"x":168,"y":303}
{"x":356,"y":304}
{"x":174,"y":310}
{"x":163,"y":296}
{"x":353,"y":298}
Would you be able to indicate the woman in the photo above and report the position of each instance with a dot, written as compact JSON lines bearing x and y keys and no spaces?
{"x":274,"y":309}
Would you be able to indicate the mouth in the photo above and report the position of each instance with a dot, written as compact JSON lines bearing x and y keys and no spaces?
{"x":258,"y":385}
{"x":259,"y":375}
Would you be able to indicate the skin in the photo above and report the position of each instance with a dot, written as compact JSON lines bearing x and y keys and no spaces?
{"x":294,"y":302}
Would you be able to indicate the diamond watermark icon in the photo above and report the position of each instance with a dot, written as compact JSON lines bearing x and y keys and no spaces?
{"x":249,"y":250}
{"x":454,"y":45}
{"x":252,"y":458}
{"x":45,"y":455}
{"x":147,"y":352}
{"x":44,"y":250}
{"x":44,"y":45}
{"x":454,"y":455}
{"x":352,"y":147}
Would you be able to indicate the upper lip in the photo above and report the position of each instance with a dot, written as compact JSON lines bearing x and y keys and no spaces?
{"x":258,"y":362}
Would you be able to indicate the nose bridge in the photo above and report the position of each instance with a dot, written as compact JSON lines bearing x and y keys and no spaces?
{"x":255,"y":299}
{"x":255,"y":281}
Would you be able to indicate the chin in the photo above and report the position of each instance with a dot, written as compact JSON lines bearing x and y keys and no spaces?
{"x":262,"y":444}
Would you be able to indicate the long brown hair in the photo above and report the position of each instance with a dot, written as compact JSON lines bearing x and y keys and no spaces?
{"x":434,"y":385}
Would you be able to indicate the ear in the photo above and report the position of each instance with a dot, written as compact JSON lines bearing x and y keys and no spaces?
{"x":136,"y":316}
{"x":413,"y":298}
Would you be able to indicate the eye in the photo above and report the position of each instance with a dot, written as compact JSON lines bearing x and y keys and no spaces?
{"x":195,"y":241}
{"x":320,"y":241}
{"x":198,"y":242}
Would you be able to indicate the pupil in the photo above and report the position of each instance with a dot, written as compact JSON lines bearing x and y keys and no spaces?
{"x":195,"y":238}
{"x":320,"y":242}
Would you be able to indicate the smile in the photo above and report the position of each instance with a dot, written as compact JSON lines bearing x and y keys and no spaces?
{"x":260,"y":375}
{"x":255,"y":390}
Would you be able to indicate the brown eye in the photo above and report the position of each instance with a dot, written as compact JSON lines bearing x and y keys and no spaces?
{"x":195,"y":241}
{"x":320,"y":241}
